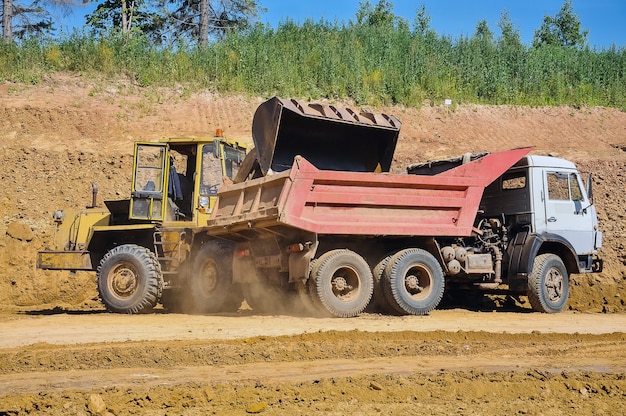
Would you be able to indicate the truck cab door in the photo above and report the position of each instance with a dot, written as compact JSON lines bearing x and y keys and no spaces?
{"x":568,"y":210}
{"x":148,"y":194}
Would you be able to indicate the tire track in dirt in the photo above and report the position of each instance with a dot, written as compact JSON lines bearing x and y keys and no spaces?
{"x":294,"y":372}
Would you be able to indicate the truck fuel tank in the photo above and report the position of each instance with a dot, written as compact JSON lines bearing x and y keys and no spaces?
{"x":329,"y":137}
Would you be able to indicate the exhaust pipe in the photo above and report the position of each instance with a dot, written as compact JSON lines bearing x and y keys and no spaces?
{"x":94,"y":195}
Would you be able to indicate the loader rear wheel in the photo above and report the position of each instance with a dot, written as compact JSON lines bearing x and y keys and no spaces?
{"x":211,"y":282}
{"x":129,"y":279}
{"x":343,"y":282}
{"x":548,"y":284}
{"x":413,"y":282}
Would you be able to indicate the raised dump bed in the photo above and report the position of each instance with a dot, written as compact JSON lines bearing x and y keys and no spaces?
{"x":355,"y":203}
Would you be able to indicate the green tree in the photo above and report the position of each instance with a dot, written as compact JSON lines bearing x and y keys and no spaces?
{"x":563,"y":29}
{"x":510,"y":35}
{"x":422,"y":21}
{"x":483,"y":33}
{"x":127,"y":16}
{"x":380,"y":15}
{"x":21,"y":19}
{"x":202,"y":19}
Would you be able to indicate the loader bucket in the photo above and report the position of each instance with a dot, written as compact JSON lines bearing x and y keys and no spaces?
{"x":329,"y":137}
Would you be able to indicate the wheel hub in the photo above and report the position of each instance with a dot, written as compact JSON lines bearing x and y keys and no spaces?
{"x":554,"y":285}
{"x":412,"y":284}
{"x":209,"y":277}
{"x":340,"y":284}
{"x":124,"y":281}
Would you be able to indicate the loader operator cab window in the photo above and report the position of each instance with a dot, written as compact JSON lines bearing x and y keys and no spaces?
{"x":180,"y":186}
{"x":148,"y":178}
{"x":211,"y":171}
{"x":233,"y":157}
{"x":216,"y":168}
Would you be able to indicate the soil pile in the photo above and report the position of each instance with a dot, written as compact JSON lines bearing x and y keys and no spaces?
{"x":59,"y":137}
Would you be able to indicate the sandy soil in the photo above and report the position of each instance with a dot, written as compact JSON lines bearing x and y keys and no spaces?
{"x":61,"y":354}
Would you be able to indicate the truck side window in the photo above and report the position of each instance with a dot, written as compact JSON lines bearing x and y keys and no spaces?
{"x":558,"y":186}
{"x":564,"y":187}
{"x":577,"y":194}
{"x":514,"y":180}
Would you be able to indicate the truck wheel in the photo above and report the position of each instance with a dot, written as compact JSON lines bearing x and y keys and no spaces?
{"x":548,"y":284}
{"x":379,"y":301}
{"x":211,"y":282}
{"x":306,"y":299}
{"x":343,"y":282}
{"x":413,"y":282}
{"x":129,"y":279}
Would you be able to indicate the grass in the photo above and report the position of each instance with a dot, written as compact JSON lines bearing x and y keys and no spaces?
{"x":370,"y":65}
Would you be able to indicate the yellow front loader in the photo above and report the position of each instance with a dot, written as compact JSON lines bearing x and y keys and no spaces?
{"x":140,"y":247}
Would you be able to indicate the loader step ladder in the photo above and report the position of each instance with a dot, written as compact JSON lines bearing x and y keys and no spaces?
{"x":168,"y":252}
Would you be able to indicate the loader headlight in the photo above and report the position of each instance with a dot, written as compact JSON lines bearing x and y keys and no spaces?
{"x":58,"y":216}
{"x":203,"y":201}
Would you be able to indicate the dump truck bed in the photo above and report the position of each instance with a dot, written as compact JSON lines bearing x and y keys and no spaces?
{"x":359,"y":203}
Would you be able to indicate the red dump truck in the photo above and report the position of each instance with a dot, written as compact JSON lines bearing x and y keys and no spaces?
{"x":322,"y":221}
{"x":312,"y":217}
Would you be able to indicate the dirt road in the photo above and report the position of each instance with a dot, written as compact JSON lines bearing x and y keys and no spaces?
{"x":60,"y":354}
{"x":452,"y":361}
{"x":83,"y":328}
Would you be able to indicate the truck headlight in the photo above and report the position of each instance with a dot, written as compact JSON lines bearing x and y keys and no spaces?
{"x":203,"y":201}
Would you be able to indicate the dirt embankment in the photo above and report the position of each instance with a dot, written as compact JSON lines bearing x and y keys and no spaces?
{"x":59,"y":137}
{"x":60,"y":353}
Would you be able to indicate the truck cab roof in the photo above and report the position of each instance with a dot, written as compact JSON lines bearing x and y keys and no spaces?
{"x":545,"y":161}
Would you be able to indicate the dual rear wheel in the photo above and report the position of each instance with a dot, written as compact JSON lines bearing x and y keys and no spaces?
{"x":342,"y":283}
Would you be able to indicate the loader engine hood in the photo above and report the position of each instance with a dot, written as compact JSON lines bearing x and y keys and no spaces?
{"x":329,"y":137}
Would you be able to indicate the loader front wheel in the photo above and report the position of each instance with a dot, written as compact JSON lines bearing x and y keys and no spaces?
{"x":129,"y":279}
{"x":548,"y":284}
{"x":413,"y":282}
{"x":211,"y":282}
{"x":343,"y":282}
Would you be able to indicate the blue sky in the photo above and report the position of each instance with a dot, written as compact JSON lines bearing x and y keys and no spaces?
{"x":605,"y":19}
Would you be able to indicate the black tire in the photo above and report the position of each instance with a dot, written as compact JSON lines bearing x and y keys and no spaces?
{"x":379,"y":301}
{"x":413,"y":282}
{"x":129,"y":279}
{"x":306,"y":299}
{"x":548,"y":284}
{"x":343,"y":283}
{"x":211,"y":282}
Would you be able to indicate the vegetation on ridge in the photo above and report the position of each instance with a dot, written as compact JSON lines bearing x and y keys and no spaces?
{"x":377,"y":58}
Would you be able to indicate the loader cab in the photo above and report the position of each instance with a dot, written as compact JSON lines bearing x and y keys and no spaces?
{"x":177,"y":180}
